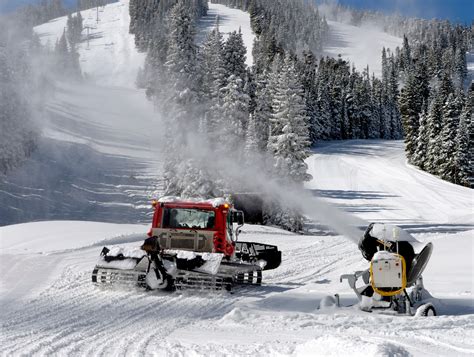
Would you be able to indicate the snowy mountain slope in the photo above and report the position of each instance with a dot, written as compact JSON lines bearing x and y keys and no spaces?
{"x":361,"y":46}
{"x":56,"y":309}
{"x":99,"y":155}
{"x":229,"y":20}
{"x":107,"y":55}
{"x":98,"y":159}
{"x":371,"y":178}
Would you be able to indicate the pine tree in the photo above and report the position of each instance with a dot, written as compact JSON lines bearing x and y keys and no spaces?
{"x":252,"y":149}
{"x":180,"y":68}
{"x":234,"y":54}
{"x":435,"y":124}
{"x":263,"y":110}
{"x":451,"y":112}
{"x":462,"y":160}
{"x":421,"y":152}
{"x":212,"y":78}
{"x":235,"y":113}
{"x":410,"y":110}
{"x":289,"y":138}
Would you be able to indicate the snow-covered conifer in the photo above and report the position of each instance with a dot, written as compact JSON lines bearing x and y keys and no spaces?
{"x":451,"y":112}
{"x":234,"y":54}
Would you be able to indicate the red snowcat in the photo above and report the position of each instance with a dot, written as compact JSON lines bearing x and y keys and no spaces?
{"x":192,"y":244}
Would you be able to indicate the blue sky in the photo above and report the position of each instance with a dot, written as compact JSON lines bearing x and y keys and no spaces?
{"x":454,"y":10}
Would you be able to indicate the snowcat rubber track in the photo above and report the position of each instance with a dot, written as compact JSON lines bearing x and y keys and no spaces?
{"x":200,"y":281}
{"x":111,"y":277}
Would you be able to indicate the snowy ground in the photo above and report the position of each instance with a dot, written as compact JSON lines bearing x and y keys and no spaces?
{"x":361,"y":46}
{"x":51,"y":307}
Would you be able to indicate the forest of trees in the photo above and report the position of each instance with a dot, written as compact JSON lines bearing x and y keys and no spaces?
{"x":345,"y":104}
{"x":269,"y":115}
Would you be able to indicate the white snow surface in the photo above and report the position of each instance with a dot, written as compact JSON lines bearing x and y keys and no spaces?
{"x":109,"y":56}
{"x":50,"y":306}
{"x":361,"y":46}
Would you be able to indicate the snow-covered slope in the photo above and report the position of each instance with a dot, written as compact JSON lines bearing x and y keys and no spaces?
{"x":361,"y":46}
{"x":107,"y":55}
{"x":229,"y":20}
{"x":51,"y":307}
{"x":99,"y":155}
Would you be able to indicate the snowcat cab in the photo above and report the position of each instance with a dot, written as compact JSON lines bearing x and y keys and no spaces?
{"x":192,"y":244}
{"x":397,"y":261}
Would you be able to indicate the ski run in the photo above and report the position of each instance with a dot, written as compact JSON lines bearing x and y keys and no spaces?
{"x":50,"y":307}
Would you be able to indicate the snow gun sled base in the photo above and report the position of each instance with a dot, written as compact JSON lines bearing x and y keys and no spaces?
{"x":393,"y":281}
{"x":192,"y":245}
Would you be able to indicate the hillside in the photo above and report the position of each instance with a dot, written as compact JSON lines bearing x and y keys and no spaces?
{"x":99,"y":157}
{"x":361,"y":46}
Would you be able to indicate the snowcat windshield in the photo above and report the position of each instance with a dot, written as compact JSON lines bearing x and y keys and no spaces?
{"x":188,"y":218}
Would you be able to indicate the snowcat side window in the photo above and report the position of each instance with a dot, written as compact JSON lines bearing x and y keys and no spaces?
{"x":188,"y":218}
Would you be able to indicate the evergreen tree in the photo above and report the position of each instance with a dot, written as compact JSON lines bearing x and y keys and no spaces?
{"x":235,"y":113}
{"x":234,"y":54}
{"x":435,"y":124}
{"x":463,"y":170}
{"x":451,"y":113}
{"x":289,"y":138}
{"x":263,"y":110}
{"x":180,"y":68}
{"x":252,"y":149}
{"x":421,"y":152}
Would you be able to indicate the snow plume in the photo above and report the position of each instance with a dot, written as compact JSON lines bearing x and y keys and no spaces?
{"x":254,"y":178}
{"x":206,"y":103}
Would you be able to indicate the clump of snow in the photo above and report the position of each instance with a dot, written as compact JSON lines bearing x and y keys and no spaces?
{"x":212,"y":260}
{"x":128,"y":252}
{"x":388,"y":232}
{"x":214,"y":202}
{"x":383,"y":255}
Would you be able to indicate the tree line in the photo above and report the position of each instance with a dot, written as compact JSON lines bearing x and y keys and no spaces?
{"x":268,"y":115}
